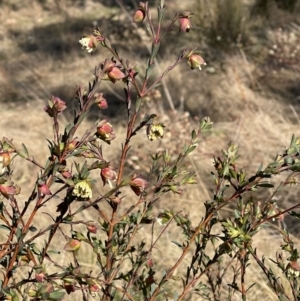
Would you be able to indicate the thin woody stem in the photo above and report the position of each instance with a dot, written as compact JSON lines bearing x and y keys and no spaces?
{"x":13,"y":258}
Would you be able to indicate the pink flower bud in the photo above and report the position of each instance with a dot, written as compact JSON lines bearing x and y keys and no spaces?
{"x":138,"y":185}
{"x":72,"y":144}
{"x":139,"y":16}
{"x":132,"y":74}
{"x":72,"y":245}
{"x":140,"y":13}
{"x":185,"y":24}
{"x":66,"y":173}
{"x":5,"y":159}
{"x":55,"y":106}
{"x":92,"y":228}
{"x":8,"y":189}
{"x":40,"y":277}
{"x":107,"y":65}
{"x":195,"y":61}
{"x":108,"y":175}
{"x":150,"y":263}
{"x":43,"y":189}
{"x":184,"y":21}
{"x":104,"y":128}
{"x":115,"y":74}
{"x":105,"y":131}
{"x":293,"y":269}
{"x":94,"y":287}
{"x":100,"y":101}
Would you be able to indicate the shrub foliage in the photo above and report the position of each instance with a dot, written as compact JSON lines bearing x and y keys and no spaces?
{"x":123,"y":266}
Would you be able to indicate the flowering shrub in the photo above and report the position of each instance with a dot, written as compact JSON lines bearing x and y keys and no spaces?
{"x":124,"y":268}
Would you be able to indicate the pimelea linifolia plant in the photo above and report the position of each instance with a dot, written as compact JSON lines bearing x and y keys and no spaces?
{"x":126,"y":268}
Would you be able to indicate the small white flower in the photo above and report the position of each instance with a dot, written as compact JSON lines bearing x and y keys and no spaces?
{"x":83,"y":190}
{"x":88,"y":42}
{"x":155,"y":131}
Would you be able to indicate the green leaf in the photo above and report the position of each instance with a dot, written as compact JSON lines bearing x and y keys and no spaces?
{"x":56,"y":295}
{"x":153,"y":288}
{"x":190,"y":149}
{"x":4,"y":227}
{"x":250,"y":287}
{"x":138,"y":104}
{"x":177,"y":243}
{"x":80,"y":119}
{"x":294,"y":214}
{"x":161,"y":11}
{"x":205,"y":124}
{"x":32,"y":229}
{"x":225,"y":170}
{"x":15,"y":298}
{"x":55,"y":168}
{"x":266,"y":185}
{"x":175,"y":296}
{"x":48,"y":169}
{"x":232,"y":173}
{"x":259,"y":168}
{"x":53,"y":251}
{"x":18,"y":233}
{"x":68,"y":128}
{"x":24,"y":152}
{"x":154,"y":87}
{"x":35,"y":250}
{"x":155,"y":48}
{"x":107,"y":43}
{"x":194,"y":135}
{"x":237,"y":214}
{"x":79,"y":235}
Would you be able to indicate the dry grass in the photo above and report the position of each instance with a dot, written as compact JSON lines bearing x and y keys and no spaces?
{"x":252,"y":104}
